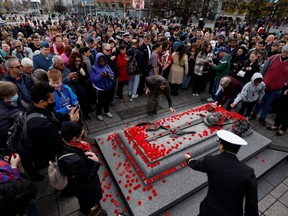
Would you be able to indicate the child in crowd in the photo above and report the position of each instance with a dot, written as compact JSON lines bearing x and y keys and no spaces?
{"x":65,"y":99}
{"x":251,"y":93}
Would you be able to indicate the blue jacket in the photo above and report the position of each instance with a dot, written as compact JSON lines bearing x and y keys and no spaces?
{"x":105,"y":83}
{"x":67,"y":93}
{"x":41,"y":62}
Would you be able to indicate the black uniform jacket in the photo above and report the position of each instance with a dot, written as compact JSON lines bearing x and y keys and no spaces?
{"x":229,"y":182}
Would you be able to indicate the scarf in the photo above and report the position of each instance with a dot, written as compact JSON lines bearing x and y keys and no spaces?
{"x":84,"y":146}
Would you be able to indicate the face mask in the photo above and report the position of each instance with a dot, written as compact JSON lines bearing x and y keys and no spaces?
{"x":51,"y":106}
{"x":14,"y":98}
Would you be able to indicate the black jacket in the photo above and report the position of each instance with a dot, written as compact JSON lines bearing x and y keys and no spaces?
{"x":229,"y":182}
{"x":145,"y":56}
{"x":44,"y":133}
{"x":8,"y":115}
{"x":82,"y":176}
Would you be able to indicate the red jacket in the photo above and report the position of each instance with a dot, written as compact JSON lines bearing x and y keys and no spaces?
{"x":277,"y":74}
{"x":121,"y":61}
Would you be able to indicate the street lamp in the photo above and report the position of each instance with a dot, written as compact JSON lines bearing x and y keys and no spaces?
{"x":84,"y":6}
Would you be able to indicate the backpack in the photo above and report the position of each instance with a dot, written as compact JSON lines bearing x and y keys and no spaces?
{"x":56,"y":178}
{"x":132,"y":65}
{"x":17,"y":136}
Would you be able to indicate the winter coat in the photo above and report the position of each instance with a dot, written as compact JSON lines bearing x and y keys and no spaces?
{"x":199,"y":64}
{"x":41,"y":62}
{"x":249,"y":73}
{"x":98,"y":82}
{"x":82,"y":175}
{"x":234,"y":87}
{"x":275,"y":73}
{"x":178,"y":68}
{"x":250,"y":92}
{"x":24,"y":86}
{"x":222,"y":69}
{"x":69,"y":97}
{"x":121,"y":62}
{"x":26,"y":52}
{"x":8,"y":115}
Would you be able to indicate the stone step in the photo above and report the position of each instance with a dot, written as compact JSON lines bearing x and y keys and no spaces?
{"x":261,"y":163}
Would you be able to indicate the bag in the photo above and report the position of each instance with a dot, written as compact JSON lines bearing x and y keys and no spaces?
{"x":132,"y":65}
{"x":17,"y":137}
{"x":241,"y":73}
{"x":58,"y":180}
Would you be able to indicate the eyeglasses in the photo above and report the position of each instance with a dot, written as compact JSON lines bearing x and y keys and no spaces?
{"x":17,"y":46}
{"x":108,"y":50}
{"x":78,"y":60}
{"x":18,"y":67}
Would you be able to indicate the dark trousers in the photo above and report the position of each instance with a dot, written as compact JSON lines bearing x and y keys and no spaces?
{"x":152,"y":104}
{"x":246,"y":108}
{"x":282,"y":119}
{"x":142,"y":82}
{"x":103,"y":99}
{"x":121,"y":85}
{"x":198,"y":84}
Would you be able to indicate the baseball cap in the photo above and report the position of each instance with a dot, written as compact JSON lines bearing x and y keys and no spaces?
{"x":44,"y":44}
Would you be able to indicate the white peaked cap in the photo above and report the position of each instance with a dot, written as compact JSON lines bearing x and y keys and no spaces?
{"x":231,"y":137}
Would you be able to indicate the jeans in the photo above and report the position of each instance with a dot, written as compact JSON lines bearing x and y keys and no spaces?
{"x":186,"y":81}
{"x":267,"y":101}
{"x":215,"y":87}
{"x":133,"y":83}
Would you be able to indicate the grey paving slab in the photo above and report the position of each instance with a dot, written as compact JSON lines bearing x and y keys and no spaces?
{"x":265,"y":160}
{"x":67,"y":204}
{"x":48,"y":206}
{"x":266,"y":202}
{"x":44,"y":188}
{"x":264,"y":188}
{"x":277,"y":209}
{"x":284,"y":199}
{"x":279,"y":190}
{"x":279,"y":174}
{"x":285,"y":181}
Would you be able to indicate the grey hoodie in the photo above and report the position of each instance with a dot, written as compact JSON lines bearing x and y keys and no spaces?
{"x":250,"y":92}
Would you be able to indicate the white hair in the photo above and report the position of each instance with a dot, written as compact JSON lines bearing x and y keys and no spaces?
{"x":26,"y":62}
{"x":56,"y":58}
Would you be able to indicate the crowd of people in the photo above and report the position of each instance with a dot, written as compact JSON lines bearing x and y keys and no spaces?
{"x":63,"y":70}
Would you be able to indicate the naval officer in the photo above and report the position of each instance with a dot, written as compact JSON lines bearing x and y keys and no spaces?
{"x":229,"y":180}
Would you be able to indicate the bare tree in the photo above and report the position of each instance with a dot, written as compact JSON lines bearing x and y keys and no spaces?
{"x":184,"y":9}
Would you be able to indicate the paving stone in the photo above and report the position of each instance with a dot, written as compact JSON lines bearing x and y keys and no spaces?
{"x":279,"y":174}
{"x":264,"y":188}
{"x":47,"y":206}
{"x":44,"y":188}
{"x":285,"y":182}
{"x":277,"y":209}
{"x":279,"y":190}
{"x":67,"y":204}
{"x":284,"y":199}
{"x":266,"y":202}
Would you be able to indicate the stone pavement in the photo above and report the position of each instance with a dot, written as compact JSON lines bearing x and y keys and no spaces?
{"x":272,"y":186}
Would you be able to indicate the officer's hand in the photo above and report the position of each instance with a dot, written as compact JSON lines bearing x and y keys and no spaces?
{"x":172,"y":110}
{"x":233,"y":105}
{"x":187,"y":156}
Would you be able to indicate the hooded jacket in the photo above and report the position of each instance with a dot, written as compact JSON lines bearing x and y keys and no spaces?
{"x":99,"y":83}
{"x":250,"y":92}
